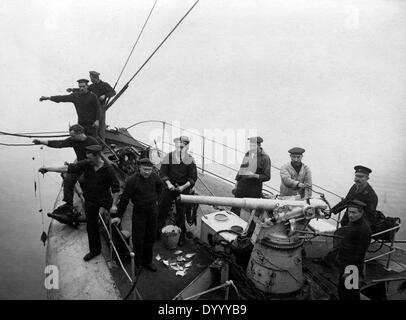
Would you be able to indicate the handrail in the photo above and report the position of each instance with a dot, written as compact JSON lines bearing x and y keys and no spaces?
{"x":164,"y":123}
{"x":132,"y":255}
{"x":114,"y":248}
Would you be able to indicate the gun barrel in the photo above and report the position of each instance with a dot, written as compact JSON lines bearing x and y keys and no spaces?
{"x":251,"y":203}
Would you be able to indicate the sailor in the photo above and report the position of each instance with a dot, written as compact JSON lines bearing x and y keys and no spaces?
{"x":144,"y":189}
{"x":178,"y":171}
{"x":352,"y":249}
{"x":100,"y":183}
{"x":103,"y":91}
{"x":78,"y":140}
{"x":254,"y":170}
{"x":362,"y":191}
{"x":86,"y":104}
{"x":296,"y":177}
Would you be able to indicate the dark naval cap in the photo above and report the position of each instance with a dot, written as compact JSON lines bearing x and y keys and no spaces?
{"x":94,"y":73}
{"x":83,"y":81}
{"x":183,"y":139}
{"x":356,"y":204}
{"x":94,"y":148}
{"x":257,"y":139}
{"x":296,"y":150}
{"x":362,"y":169}
{"x":145,"y":162}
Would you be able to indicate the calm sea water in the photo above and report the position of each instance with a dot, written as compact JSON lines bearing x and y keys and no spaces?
{"x":328,"y":76}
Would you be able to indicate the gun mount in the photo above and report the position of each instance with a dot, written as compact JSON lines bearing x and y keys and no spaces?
{"x":275,"y":265}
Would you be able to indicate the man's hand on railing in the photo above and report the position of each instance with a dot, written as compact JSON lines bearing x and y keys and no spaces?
{"x":116,"y":220}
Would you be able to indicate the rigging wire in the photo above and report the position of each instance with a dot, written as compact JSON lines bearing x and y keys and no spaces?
{"x":135,"y":44}
{"x":35,"y":135}
{"x":37,"y":187}
{"x":118,"y":95}
{"x":17,"y":144}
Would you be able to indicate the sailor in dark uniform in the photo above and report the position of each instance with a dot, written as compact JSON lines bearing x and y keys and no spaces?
{"x":362,"y":191}
{"x":100,"y":183}
{"x":86,"y":104}
{"x":178,"y":171}
{"x":352,"y":248}
{"x":103,"y":91}
{"x":78,"y":140}
{"x":255,"y":169}
{"x":144,"y":189}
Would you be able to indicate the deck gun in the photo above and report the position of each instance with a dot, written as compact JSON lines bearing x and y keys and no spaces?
{"x":275,"y":264}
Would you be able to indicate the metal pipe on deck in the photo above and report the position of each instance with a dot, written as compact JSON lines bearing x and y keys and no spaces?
{"x":251,"y":203}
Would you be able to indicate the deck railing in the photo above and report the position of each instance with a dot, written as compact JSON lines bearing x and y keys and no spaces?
{"x":133,"y":278}
{"x":202,"y":155}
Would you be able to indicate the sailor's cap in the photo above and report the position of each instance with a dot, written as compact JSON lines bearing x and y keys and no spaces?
{"x":257,"y":139}
{"x":296,"y":150}
{"x":83,"y":81}
{"x":94,"y":148}
{"x":356,"y":204}
{"x":94,"y":73}
{"x":362,"y":169}
{"x":145,"y":162}
{"x":183,"y":139}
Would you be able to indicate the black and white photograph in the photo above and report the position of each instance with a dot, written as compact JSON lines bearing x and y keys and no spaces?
{"x":220,"y":151}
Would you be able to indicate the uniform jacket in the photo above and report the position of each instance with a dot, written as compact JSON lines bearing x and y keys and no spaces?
{"x":102,"y":88}
{"x":290,"y":179}
{"x":367,"y":195}
{"x":258,"y":163}
{"x":86,"y":104}
{"x":354,"y":245}
{"x":178,"y":169}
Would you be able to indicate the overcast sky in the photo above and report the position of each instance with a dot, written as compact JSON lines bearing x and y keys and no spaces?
{"x":325,"y":75}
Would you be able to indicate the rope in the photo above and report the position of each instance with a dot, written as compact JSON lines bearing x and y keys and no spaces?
{"x":149,"y":58}
{"x":32,"y":135}
{"x":17,"y":144}
{"x":135,"y":44}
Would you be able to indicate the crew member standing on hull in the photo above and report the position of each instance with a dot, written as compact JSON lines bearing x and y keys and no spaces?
{"x":362,"y":191}
{"x":86,"y":104}
{"x":103,"y":91}
{"x":144,"y":189}
{"x":351,"y":251}
{"x":254,"y":170}
{"x":100,"y":183}
{"x":296,"y":177}
{"x":78,"y":140}
{"x":179,"y":172}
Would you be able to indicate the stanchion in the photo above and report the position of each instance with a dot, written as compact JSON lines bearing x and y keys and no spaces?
{"x":133,"y":275}
{"x":110,"y":238}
